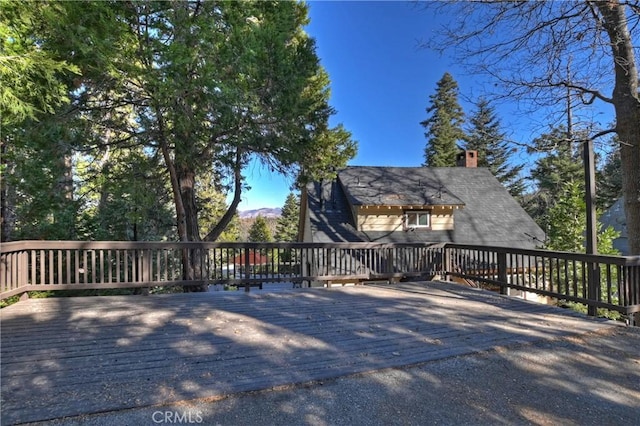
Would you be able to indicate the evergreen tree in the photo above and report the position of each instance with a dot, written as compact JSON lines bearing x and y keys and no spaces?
{"x":537,"y":50}
{"x":212,"y":204}
{"x":122,"y":199}
{"x":559,"y":164}
{"x":568,"y":223}
{"x":259,"y":232}
{"x":287,"y":225}
{"x":485,"y":137}
{"x":41,"y":61}
{"x":443,"y":125}
{"x":609,"y":180}
{"x":37,"y":188}
{"x":32,"y":74}
{"x":561,"y":161}
{"x":567,"y":230}
{"x":181,"y":90}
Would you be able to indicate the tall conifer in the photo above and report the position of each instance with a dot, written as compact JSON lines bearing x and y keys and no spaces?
{"x":259,"y":232}
{"x":287,"y":226}
{"x":559,"y":165}
{"x":486,"y":137}
{"x":443,"y":127}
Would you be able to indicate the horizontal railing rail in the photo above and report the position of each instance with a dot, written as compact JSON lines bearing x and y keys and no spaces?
{"x":599,"y":282}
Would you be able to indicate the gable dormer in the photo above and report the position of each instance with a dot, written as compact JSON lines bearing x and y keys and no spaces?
{"x":405,"y":218}
{"x":398,"y":199}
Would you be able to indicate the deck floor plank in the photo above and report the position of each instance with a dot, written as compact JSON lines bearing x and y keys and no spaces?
{"x":71,"y":356}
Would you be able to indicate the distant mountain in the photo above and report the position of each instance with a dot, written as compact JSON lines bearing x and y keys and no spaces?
{"x":264,"y":212}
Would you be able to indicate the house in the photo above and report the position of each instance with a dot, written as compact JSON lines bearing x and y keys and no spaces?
{"x":464,"y":204}
{"x":254,"y":259}
{"x":614,"y":216}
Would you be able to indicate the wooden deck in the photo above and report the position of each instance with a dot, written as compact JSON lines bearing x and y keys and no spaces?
{"x":71,"y":356}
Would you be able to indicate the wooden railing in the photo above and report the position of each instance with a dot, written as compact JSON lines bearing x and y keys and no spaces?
{"x":599,"y":282}
{"x":64,"y":265}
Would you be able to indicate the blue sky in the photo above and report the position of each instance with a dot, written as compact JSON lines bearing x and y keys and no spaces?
{"x":380,"y":83}
{"x":381,"y":80}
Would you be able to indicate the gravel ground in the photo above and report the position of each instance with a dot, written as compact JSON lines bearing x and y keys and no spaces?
{"x":593,"y":379}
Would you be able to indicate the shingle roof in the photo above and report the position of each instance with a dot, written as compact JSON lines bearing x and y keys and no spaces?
{"x":488,"y":214}
{"x":396,"y":186}
{"x":330,"y":214}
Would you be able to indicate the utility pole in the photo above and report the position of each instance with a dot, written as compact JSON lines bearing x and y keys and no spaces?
{"x":591,"y":236}
{"x":589,"y":174}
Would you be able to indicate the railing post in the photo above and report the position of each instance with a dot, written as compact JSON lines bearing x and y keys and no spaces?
{"x":593,"y":281}
{"x":247,"y":273}
{"x":5,"y":273}
{"x":23,"y":268}
{"x":502,"y":272}
{"x":147,"y":269}
{"x":446,"y":263}
{"x":146,"y":265}
{"x":632,"y":292}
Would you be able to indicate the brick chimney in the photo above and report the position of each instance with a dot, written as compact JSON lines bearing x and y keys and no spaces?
{"x":467,"y":159}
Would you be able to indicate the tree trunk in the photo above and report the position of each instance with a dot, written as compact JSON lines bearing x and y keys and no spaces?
{"x":186,"y":180}
{"x":189,"y":273}
{"x":7,"y":197}
{"x":626,"y":101}
{"x":175,"y":185}
{"x":215,"y":233}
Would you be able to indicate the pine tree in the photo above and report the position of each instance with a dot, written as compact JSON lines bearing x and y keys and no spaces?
{"x":609,"y":180}
{"x":212,"y":204}
{"x":568,"y":223}
{"x":259,"y":232}
{"x":560,"y":164}
{"x":287,"y":225}
{"x":444,"y":125}
{"x":485,"y":137}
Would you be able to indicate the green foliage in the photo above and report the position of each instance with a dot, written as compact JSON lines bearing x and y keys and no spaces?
{"x":287,"y":225}
{"x":246,"y":83}
{"x":485,"y":137}
{"x":38,"y":173}
{"x":169,"y":102}
{"x":560,"y":162}
{"x":567,"y":231}
{"x":568,"y":223}
{"x":211,"y":200}
{"x":567,"y":219}
{"x":606,"y":237}
{"x":122,"y":198}
{"x":444,"y":124}
{"x":609,"y":180}
{"x":31,"y":75}
{"x":259,"y":231}
{"x":9,"y":301}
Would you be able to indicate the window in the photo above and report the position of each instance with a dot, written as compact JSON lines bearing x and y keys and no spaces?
{"x":418,"y":219}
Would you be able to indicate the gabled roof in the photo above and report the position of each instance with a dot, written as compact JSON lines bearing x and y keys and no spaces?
{"x":487,"y":213}
{"x":330,"y":214}
{"x":397,"y":186}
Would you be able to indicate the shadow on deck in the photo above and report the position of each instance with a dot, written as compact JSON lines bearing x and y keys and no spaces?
{"x":76,"y":356}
